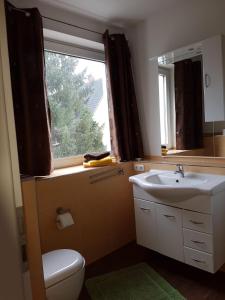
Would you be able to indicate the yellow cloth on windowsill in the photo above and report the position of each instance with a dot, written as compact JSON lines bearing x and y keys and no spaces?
{"x":107,"y":161}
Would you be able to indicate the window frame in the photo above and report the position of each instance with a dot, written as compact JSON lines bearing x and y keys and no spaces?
{"x":79,"y":52}
{"x":169,"y":75}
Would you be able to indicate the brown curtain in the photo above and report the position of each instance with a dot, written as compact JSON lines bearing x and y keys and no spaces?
{"x":31,"y":110}
{"x":124,"y":121}
{"x":188,"y":105}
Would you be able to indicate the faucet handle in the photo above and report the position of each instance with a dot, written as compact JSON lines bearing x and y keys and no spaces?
{"x":179,"y":168}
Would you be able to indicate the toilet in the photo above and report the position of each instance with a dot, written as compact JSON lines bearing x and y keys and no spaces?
{"x":63,"y":274}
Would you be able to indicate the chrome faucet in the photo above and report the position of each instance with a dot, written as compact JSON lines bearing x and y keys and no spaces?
{"x":180,"y":170}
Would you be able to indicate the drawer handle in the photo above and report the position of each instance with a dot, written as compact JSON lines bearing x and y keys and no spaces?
{"x":199,"y":261}
{"x":198,"y":242}
{"x":196,"y":222}
{"x":145,"y":209}
{"x":170,"y":216}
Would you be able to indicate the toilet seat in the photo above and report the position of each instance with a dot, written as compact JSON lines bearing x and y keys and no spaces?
{"x":60,"y":264}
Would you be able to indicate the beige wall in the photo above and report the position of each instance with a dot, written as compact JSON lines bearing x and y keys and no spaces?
{"x":214,"y":145}
{"x":219,"y":141}
{"x":33,"y":247}
{"x":102,"y":211}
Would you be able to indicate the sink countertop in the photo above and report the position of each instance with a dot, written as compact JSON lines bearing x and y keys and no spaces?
{"x":162,"y":182}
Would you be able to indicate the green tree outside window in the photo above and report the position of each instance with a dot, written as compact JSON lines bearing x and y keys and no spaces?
{"x":74,"y":131}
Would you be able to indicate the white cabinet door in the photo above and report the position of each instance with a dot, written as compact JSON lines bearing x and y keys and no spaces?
{"x":213,"y":78}
{"x":169,"y":231}
{"x":145,"y":219}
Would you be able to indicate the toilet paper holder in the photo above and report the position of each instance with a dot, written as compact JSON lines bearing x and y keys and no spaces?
{"x":61,"y":210}
{"x":64,"y":218}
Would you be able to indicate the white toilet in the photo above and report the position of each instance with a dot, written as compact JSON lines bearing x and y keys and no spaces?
{"x":63,"y":274}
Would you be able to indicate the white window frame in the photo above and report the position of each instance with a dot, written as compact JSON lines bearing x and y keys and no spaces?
{"x":168,"y":73}
{"x":87,"y":52}
{"x":58,"y":47}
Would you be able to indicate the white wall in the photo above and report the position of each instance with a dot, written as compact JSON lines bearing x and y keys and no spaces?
{"x":68,"y":17}
{"x":175,"y":27}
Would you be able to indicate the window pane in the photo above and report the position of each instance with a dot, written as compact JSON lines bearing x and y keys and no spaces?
{"x":163,"y":109}
{"x":78,"y":101}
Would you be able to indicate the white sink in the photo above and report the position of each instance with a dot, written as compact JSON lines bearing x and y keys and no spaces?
{"x":176,"y":179}
{"x":173,"y":187}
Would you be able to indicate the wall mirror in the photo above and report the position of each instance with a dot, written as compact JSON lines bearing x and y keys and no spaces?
{"x":191,"y":99}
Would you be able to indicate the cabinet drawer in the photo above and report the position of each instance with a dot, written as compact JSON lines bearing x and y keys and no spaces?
{"x":198,"y":240}
{"x":197,"y":221}
{"x":143,"y":205}
{"x":198,"y":259}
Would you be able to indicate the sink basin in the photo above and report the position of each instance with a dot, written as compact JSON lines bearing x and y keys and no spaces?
{"x":173,"y":187}
{"x":176,"y":179}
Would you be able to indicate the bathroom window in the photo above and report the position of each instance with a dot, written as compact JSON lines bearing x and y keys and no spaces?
{"x":166,"y":108}
{"x":76,"y":88}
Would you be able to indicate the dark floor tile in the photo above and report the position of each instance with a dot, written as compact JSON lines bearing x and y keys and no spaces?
{"x":192,"y":283}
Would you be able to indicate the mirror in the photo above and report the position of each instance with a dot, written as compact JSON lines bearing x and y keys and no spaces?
{"x":191,"y":100}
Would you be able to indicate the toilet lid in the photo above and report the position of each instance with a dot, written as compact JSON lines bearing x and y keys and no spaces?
{"x":60,"y":264}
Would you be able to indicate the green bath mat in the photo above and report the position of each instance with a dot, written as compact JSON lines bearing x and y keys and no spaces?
{"x":139,"y":282}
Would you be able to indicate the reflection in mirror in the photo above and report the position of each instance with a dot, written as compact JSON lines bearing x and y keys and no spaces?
{"x":181,"y":102}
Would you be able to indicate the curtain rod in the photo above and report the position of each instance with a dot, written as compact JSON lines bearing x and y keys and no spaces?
{"x":83,"y":28}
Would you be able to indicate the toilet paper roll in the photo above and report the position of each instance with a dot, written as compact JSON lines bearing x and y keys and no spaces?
{"x":64,"y":220}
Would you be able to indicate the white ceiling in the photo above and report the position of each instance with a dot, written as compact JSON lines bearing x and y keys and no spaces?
{"x":118,"y":12}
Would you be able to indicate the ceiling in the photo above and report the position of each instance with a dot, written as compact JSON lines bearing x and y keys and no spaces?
{"x":117,"y":12}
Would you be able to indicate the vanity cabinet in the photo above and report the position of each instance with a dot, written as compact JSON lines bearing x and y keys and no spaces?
{"x":155,"y":220}
{"x":186,"y":230}
{"x":213,"y":78}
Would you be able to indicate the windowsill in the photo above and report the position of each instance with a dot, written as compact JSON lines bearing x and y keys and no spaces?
{"x":73,"y":170}
{"x":68,"y":171}
{"x":174,"y":151}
